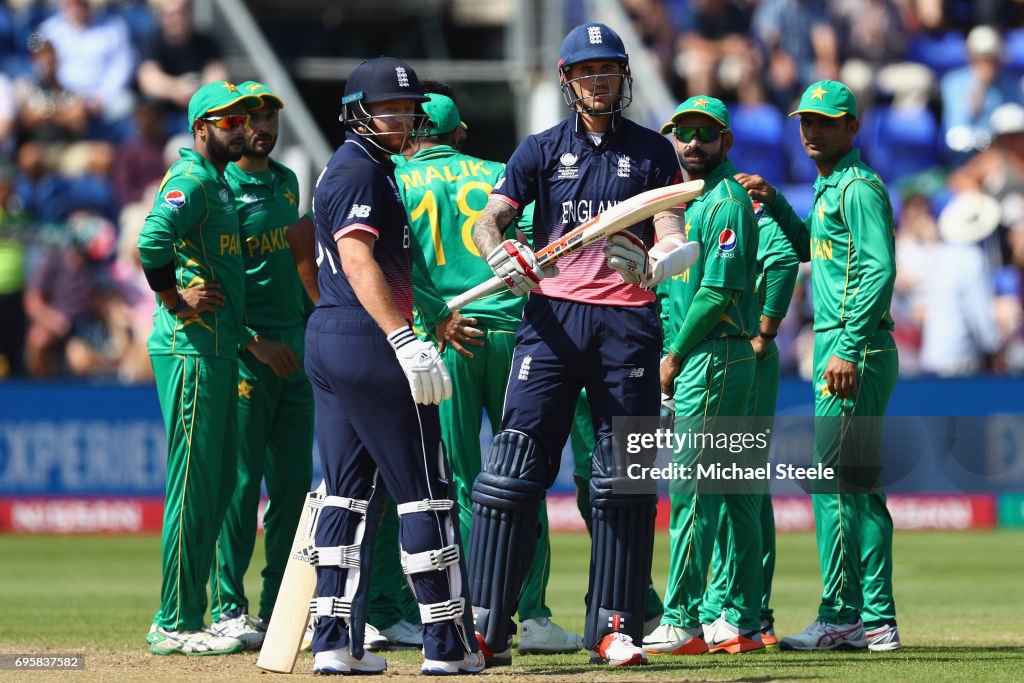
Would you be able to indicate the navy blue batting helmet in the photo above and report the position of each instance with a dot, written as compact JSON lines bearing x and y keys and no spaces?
{"x":383,"y":79}
{"x":588,"y":42}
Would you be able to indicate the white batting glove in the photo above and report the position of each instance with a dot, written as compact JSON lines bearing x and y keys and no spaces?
{"x":516,"y":264}
{"x":428,"y":377}
{"x":628,"y":257}
{"x":671,"y":256}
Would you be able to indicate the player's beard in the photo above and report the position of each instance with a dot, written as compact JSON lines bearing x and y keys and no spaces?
{"x":698,"y":162}
{"x":222,"y":150}
{"x":260,"y":147}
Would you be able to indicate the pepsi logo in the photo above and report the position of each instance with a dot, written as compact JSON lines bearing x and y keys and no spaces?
{"x":175,"y":198}
{"x":758,"y":209}
{"x":727,"y":240}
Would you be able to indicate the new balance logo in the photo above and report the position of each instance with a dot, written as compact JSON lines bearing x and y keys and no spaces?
{"x":524,"y":368}
{"x":359,"y":211}
{"x":635,"y":373}
{"x":623,"y":169}
{"x":594,"y":34}
{"x":403,"y":78}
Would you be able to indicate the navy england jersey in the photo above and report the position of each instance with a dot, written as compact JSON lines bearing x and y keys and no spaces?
{"x":572,"y":180}
{"x":356,"y":192}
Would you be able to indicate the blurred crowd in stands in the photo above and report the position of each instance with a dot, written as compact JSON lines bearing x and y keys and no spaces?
{"x":92,"y":97}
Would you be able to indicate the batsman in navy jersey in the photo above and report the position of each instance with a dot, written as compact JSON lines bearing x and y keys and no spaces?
{"x":377,"y":387}
{"x":592,"y":324}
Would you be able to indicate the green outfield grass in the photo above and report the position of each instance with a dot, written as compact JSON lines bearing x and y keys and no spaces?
{"x":959,"y":597}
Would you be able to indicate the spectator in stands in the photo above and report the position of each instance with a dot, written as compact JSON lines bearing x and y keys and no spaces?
{"x":8,"y":117}
{"x":917,"y":238}
{"x":177,"y":59}
{"x":801,"y":45}
{"x":14,"y":232}
{"x":652,"y":21}
{"x":53,"y":121}
{"x":140,"y":161}
{"x":972,"y":93}
{"x":59,"y":298}
{"x":95,"y":57}
{"x":999,"y":170}
{"x":716,"y":53}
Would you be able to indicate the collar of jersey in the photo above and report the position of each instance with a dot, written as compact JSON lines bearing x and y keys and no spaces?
{"x":242,"y":177}
{"x":845,"y":162}
{"x":724,"y":170}
{"x":197,"y":158}
{"x":580,"y":131}
{"x":370,"y":151}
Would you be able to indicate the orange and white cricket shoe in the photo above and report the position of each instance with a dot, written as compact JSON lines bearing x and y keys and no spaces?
{"x":768,"y":636}
{"x":724,"y":637}
{"x":618,"y":649}
{"x":669,"y":639}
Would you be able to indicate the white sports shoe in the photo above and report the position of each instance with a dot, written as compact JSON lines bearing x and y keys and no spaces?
{"x":244,"y":628}
{"x":545,"y":636}
{"x":669,"y":639}
{"x":617,"y":649}
{"x":192,"y":643}
{"x":340,"y":661}
{"x":402,"y":635}
{"x":374,"y":640}
{"x":470,"y":664}
{"x":822,"y":636}
{"x":502,"y":658}
{"x":885,"y":638}
{"x":724,"y":637}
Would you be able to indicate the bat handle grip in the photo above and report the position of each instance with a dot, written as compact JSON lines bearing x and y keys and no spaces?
{"x":482,"y":289}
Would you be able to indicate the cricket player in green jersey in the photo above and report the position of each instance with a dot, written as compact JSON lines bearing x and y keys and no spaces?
{"x":192,"y":255}
{"x":849,"y":240}
{"x":444,"y":192}
{"x":709,"y":370}
{"x":777,"y":265}
{"x":275,"y":401}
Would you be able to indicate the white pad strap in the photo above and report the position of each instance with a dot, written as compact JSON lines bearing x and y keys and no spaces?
{"x":334,"y":556}
{"x":442,"y":611}
{"x":425,"y":505}
{"x":346,"y":503}
{"x":430,"y":560}
{"x":331,"y":607}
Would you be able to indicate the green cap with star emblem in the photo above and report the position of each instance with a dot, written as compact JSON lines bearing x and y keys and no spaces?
{"x":215,"y":96}
{"x":828,"y":98}
{"x":700,"y":104}
{"x":443,"y":114}
{"x":261,"y":91}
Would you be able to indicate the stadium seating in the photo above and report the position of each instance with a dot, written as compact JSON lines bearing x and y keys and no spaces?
{"x":758,"y":130}
{"x":899,"y":141}
{"x":940,"y":52}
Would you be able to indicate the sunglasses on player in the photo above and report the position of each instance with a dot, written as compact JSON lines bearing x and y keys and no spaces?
{"x":229,"y":122}
{"x":703,"y":133}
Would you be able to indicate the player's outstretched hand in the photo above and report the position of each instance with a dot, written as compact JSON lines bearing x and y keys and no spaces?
{"x":280,"y":357}
{"x":427,"y":374}
{"x":205,"y":296}
{"x":757,"y":187}
{"x":457,"y":330}
{"x":628,"y":257}
{"x":516,"y":264}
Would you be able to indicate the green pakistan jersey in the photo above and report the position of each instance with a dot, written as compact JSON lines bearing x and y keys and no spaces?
{"x":267,"y":203}
{"x":722,"y":221}
{"x":849,"y":238}
{"x":450,"y":263}
{"x":193,"y":225}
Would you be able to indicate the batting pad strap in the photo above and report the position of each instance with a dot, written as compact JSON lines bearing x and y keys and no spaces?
{"x":330,"y":607}
{"x":345,"y":503}
{"x":430,"y":560}
{"x":334,"y":556}
{"x":425,"y":505}
{"x":442,"y":611}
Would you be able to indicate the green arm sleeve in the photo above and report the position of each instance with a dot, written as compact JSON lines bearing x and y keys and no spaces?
{"x":661,"y":294}
{"x":432,"y":305}
{"x":707,"y":307}
{"x":797,"y":231}
{"x":779,"y":283}
{"x":180,"y":205}
{"x":867,"y":213}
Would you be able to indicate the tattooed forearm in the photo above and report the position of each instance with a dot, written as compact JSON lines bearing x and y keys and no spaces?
{"x":489,"y":228}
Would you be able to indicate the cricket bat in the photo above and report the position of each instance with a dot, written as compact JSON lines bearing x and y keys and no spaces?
{"x":291,"y":611}
{"x":615,"y":219}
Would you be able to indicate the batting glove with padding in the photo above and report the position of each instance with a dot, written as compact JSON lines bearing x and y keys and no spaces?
{"x":517,"y":266}
{"x":628,"y":257}
{"x":428,"y":377}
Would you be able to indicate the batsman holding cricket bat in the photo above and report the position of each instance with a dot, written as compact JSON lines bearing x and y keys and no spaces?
{"x":593,"y":326}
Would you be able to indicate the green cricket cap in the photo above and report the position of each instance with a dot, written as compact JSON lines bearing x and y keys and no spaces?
{"x":215,"y":96}
{"x":261,"y":91}
{"x":700,"y":104}
{"x":443,"y":114}
{"x":828,"y":98}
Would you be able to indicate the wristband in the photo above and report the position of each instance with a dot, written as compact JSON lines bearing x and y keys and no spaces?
{"x":178,"y":307}
{"x":767,"y":335}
